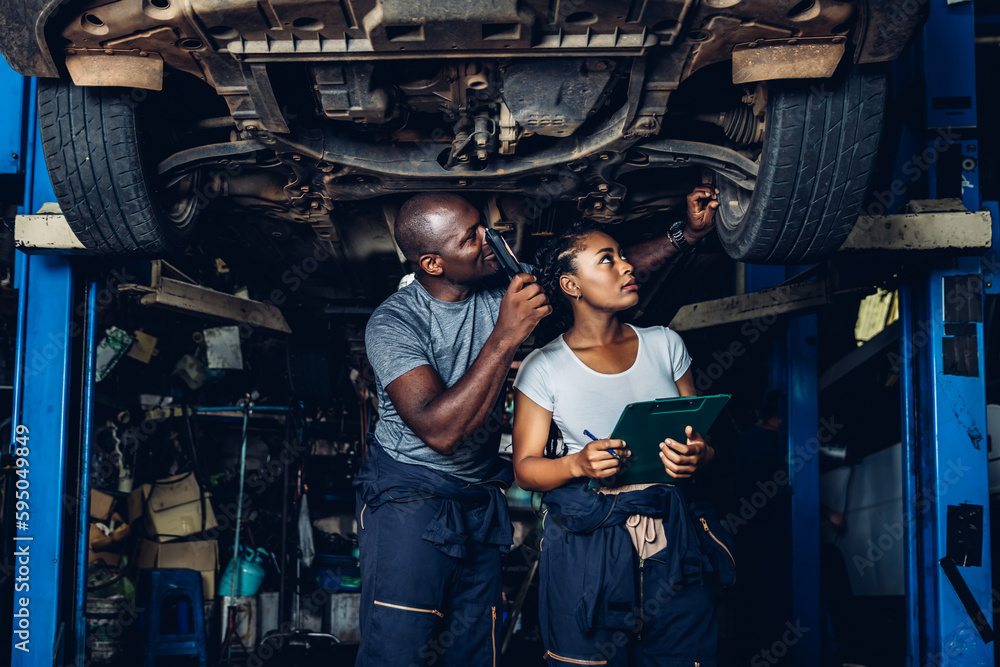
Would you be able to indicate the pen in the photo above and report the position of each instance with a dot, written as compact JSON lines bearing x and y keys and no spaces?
{"x":594,"y":437}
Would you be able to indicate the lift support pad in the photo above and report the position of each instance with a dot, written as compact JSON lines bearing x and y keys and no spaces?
{"x":931,"y":225}
{"x":934,"y":226}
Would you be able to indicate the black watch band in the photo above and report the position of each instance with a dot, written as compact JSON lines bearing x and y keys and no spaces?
{"x":676,"y":236}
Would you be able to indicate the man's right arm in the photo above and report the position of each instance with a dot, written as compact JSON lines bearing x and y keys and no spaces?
{"x":444,"y":416}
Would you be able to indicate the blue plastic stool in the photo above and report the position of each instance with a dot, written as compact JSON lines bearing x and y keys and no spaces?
{"x":185,"y":634}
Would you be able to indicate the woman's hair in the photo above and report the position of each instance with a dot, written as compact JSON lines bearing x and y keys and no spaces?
{"x":552,"y":260}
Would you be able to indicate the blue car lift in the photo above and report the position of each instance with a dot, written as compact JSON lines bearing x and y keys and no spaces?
{"x":947,"y":568}
{"x":50,"y":521}
{"x":947,"y":564}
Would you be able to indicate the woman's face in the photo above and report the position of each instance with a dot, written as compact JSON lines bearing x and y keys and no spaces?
{"x":603,"y":278}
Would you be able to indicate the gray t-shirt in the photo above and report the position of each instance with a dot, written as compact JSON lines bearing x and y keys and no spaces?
{"x":411,"y":329}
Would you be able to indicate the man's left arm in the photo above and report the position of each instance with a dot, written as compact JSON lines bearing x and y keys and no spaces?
{"x":702,"y":204}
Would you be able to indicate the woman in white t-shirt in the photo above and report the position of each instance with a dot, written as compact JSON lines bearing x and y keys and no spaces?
{"x":581,"y":381}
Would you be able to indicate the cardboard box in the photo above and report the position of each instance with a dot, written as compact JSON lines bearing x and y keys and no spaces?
{"x":101,"y":542}
{"x":202,"y":556}
{"x":101,"y":505}
{"x":107,"y":547}
{"x":171,"y":508}
{"x":112,"y":558}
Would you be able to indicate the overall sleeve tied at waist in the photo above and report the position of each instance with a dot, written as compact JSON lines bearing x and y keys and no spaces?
{"x":590,"y":528}
{"x":382,"y":480}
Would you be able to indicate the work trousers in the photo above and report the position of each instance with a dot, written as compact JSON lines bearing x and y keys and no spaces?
{"x":672,"y":627}
{"x":420,"y":607}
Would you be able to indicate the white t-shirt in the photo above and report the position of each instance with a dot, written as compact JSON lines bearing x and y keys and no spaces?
{"x":581,"y":399}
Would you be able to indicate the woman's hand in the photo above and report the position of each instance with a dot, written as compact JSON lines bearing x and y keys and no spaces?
{"x":681,"y":461}
{"x":596,"y":460}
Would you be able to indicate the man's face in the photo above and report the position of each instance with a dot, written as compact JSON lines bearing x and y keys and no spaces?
{"x":464,"y":254}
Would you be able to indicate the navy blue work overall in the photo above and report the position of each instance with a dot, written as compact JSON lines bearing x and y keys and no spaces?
{"x":600,"y":605}
{"x":430,"y":548}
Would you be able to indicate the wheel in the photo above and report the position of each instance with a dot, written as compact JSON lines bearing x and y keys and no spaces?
{"x":102,"y":171}
{"x":819,"y":149}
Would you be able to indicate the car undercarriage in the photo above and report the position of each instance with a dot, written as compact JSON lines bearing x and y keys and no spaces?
{"x":155,"y":113}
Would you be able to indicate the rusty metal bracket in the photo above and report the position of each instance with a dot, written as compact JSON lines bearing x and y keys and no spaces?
{"x":186,"y":297}
{"x":791,"y":58}
{"x":108,"y":67}
{"x":771,"y":302}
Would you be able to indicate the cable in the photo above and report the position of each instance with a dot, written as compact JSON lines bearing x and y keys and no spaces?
{"x":234,"y":563}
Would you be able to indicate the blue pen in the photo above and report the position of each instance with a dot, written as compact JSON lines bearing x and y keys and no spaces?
{"x":594,"y":437}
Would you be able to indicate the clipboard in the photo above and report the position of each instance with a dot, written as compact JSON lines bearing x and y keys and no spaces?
{"x":643,"y":426}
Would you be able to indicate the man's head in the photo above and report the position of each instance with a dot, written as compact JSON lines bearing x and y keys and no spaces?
{"x":444,"y":235}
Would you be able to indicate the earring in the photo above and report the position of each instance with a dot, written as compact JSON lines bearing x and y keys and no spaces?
{"x":579,"y":296}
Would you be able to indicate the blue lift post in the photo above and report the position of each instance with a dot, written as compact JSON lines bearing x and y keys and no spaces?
{"x":793,"y":370}
{"x":83,"y":509}
{"x":946,"y":486}
{"x":13,"y":91}
{"x":991,"y":260}
{"x":947,"y":574}
{"x":40,"y":422}
{"x":803,"y":462}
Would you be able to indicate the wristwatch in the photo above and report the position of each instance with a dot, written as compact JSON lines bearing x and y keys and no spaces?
{"x":676,"y":236}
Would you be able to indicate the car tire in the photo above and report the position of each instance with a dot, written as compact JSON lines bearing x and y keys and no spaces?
{"x":93,"y":145}
{"x":819,"y":150}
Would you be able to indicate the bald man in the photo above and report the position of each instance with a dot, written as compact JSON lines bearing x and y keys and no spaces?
{"x":432,"y":518}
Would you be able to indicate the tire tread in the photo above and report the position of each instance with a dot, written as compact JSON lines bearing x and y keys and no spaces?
{"x":90,"y":140}
{"x":817,"y":162}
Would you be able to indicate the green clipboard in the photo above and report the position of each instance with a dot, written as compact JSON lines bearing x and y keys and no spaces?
{"x":643,"y":426}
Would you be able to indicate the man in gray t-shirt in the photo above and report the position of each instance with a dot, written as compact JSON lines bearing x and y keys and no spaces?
{"x":441,"y":348}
